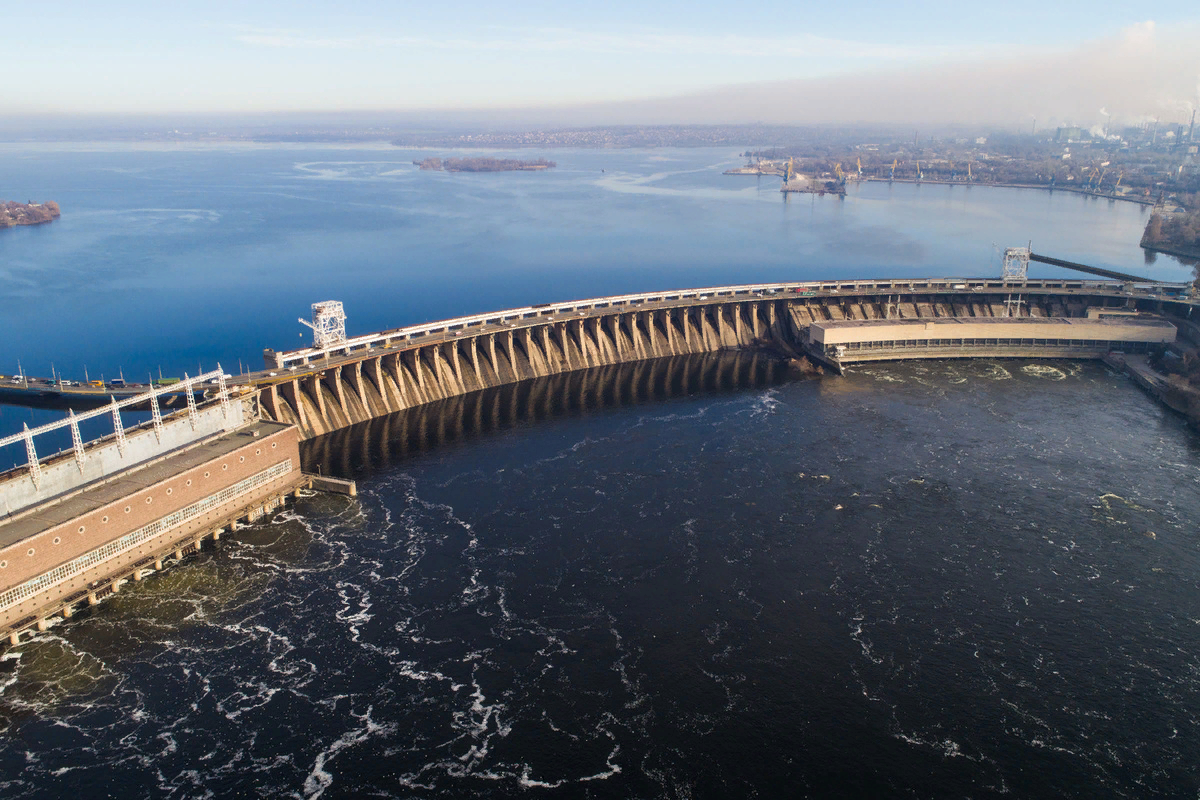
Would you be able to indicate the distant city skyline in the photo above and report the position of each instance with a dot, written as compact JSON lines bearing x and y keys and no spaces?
{"x":616,"y":62}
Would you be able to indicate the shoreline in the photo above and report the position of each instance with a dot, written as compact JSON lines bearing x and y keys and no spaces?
{"x":1182,"y":253}
{"x":1143,"y":201}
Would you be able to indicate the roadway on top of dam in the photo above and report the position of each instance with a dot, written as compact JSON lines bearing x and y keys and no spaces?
{"x":303,"y":362}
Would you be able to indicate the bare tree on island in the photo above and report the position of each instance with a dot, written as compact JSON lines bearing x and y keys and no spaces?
{"x":484,"y":164}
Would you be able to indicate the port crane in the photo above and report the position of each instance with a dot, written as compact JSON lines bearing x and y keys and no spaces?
{"x":892,"y":177}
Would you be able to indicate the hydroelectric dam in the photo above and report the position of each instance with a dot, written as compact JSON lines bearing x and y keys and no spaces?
{"x":342,"y":381}
{"x":83,"y":522}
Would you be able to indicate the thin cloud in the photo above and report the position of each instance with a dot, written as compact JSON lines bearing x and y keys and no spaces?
{"x":663,"y":43}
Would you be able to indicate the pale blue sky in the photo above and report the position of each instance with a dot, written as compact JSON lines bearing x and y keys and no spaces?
{"x":225,"y":56}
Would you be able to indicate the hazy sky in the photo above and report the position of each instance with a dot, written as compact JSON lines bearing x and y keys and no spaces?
{"x":223,"y":56}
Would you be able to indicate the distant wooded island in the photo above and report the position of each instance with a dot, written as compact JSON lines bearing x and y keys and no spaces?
{"x":12,"y":213}
{"x":483,"y":164}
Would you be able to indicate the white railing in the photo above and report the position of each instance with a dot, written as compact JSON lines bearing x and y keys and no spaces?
{"x":113,"y":409}
{"x":386,"y":338}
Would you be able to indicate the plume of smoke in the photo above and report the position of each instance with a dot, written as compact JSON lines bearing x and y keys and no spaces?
{"x":1146,"y":70}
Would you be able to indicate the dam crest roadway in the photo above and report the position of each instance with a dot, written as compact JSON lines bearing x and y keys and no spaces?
{"x":341,"y":381}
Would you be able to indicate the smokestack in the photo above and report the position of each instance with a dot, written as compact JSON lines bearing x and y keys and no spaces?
{"x":1192,"y":128}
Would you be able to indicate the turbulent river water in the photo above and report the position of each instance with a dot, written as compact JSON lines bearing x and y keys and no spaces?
{"x":935,"y":579}
{"x":707,"y":578}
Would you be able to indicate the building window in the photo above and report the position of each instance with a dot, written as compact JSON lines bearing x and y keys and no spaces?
{"x":104,"y":519}
{"x":149,"y":500}
{"x":206,"y":474}
{"x":58,"y":540}
{"x":30,"y":551}
{"x":82,"y":529}
{"x":188,"y":482}
{"x":258,"y":452}
{"x":224,"y":467}
{"x":127,"y":509}
{"x":241,"y":459}
{"x":169,"y":490}
{"x":3,"y":564}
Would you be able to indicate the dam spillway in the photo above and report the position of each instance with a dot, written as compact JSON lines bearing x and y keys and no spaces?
{"x":325,"y":389}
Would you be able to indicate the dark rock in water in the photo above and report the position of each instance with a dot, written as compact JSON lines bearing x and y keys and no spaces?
{"x":804,"y":366}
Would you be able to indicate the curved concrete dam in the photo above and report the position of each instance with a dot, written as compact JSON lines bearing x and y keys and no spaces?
{"x":324,"y":389}
{"x":381,"y":441}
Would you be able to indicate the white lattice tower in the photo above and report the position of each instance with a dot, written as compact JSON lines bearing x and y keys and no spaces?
{"x":328,"y":324}
{"x":35,"y":469}
{"x":118,"y":426}
{"x":191,"y":400}
{"x":223,"y":393}
{"x":156,"y":415}
{"x":1016,"y":264}
{"x":76,"y":439}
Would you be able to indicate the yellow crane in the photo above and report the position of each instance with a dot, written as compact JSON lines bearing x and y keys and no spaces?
{"x":837,"y":170}
{"x":859,"y":162}
{"x":790,"y":172}
{"x":893,"y":175}
{"x":918,"y":170}
{"x":1117,"y":185}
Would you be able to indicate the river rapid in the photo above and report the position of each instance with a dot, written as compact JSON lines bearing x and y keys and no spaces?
{"x":927,"y":579}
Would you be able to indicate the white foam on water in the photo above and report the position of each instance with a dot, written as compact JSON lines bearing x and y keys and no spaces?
{"x":1043,"y":371}
{"x":319,"y":779}
{"x":610,"y":762}
{"x":765,"y":404}
{"x":353,"y":619}
{"x":526,"y":782}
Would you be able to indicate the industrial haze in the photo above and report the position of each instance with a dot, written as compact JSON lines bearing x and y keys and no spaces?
{"x":1145,"y":72}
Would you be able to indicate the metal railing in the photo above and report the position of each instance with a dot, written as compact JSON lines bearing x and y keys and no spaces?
{"x":72,"y":420}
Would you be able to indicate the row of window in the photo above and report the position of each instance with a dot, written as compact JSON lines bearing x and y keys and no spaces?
{"x":130,"y":540}
{"x":890,"y":344}
{"x":169,"y":491}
